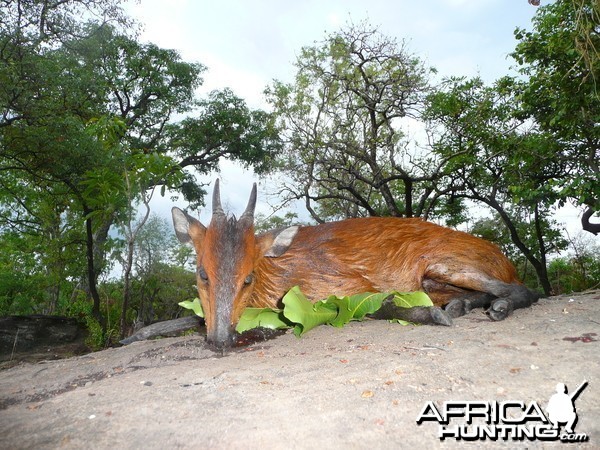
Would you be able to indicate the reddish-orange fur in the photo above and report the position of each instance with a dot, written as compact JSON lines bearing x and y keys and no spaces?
{"x":378,"y":255}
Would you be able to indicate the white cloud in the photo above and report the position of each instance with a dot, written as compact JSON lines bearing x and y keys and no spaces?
{"x":246,"y":45}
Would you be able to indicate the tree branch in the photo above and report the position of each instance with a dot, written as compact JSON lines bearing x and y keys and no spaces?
{"x":593,"y":228}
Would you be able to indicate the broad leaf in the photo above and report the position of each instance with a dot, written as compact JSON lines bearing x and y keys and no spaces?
{"x":194,"y":306}
{"x":262,"y":317}
{"x":410,"y":299}
{"x":304,"y":314}
{"x":366,"y":303}
{"x":355,"y":307}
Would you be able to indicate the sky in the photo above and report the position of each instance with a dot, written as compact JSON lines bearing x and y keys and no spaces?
{"x":246,"y":44}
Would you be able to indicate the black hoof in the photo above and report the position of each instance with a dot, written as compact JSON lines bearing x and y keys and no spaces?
{"x":457,"y":308}
{"x":500,"y":309}
{"x":440,"y":317}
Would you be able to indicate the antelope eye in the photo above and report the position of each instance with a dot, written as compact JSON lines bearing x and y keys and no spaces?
{"x":249,"y":279}
{"x":202,"y":274}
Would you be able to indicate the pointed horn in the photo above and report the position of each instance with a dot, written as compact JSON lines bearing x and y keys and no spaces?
{"x":251,"y":204}
{"x":216,"y":201}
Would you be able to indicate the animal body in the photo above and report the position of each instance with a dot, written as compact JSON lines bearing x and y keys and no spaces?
{"x":237,"y":269}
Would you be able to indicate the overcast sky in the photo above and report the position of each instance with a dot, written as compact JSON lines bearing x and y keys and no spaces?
{"x":245,"y":44}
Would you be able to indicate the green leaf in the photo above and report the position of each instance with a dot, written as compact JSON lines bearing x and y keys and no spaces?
{"x":262,"y":317}
{"x":344,"y":312}
{"x":304,"y":314}
{"x":366,"y":303}
{"x":410,"y":299}
{"x":194,"y":306}
{"x":356,"y":307}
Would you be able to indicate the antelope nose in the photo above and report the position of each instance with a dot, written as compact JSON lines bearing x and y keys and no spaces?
{"x":222,"y":338}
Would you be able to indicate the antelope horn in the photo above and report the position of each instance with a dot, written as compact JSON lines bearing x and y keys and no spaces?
{"x":249,"y":213}
{"x":216,"y":201}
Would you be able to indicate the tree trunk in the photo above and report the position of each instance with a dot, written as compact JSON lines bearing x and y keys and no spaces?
{"x":131,"y":235}
{"x":538,"y":266}
{"x":95,"y":260}
{"x":91,"y":271}
{"x":408,"y":198}
{"x":543,"y":270}
{"x":127,"y":288}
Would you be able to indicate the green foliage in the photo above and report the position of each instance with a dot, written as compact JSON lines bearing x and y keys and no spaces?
{"x":226,"y":126}
{"x":81,"y":308}
{"x":34,"y":271}
{"x":262,"y":317}
{"x":194,"y":305}
{"x":18,"y":280}
{"x":579,"y":269}
{"x":19,"y":294}
{"x":559,"y":90}
{"x":346,"y":151}
{"x":263,"y":223}
{"x":303,"y":315}
{"x":86,"y":133}
{"x":574,"y":274}
{"x":338,"y":311}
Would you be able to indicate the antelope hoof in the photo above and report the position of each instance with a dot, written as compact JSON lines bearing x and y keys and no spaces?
{"x":500,"y":309}
{"x":457,"y":308}
{"x":440,"y":317}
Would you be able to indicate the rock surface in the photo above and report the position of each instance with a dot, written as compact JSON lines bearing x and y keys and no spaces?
{"x":38,"y":337}
{"x":362,"y":386}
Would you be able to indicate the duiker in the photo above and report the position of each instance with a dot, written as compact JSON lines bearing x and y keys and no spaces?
{"x":237,"y":269}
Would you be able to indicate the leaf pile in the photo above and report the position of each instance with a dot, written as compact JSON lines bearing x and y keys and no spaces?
{"x":302,"y":315}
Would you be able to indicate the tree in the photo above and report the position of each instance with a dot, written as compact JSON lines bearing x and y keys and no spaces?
{"x":343,"y":119}
{"x":263,"y":223}
{"x":55,"y":119}
{"x":579,"y":269}
{"x":497,"y":159}
{"x":560,"y":69}
{"x":223,"y":127}
{"x":154,"y":251}
{"x":85,"y":106}
{"x":135,"y":184}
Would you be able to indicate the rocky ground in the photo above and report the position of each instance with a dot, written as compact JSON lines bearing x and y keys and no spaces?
{"x":39,"y":338}
{"x":362,"y":386}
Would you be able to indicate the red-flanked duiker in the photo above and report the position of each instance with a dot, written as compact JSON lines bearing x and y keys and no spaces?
{"x":238,"y":269}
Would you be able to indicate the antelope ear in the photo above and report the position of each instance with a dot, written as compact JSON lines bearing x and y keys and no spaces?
{"x":187,"y":228}
{"x":275,"y":243}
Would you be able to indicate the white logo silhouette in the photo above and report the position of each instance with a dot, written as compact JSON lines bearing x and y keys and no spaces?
{"x":561,"y":407}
